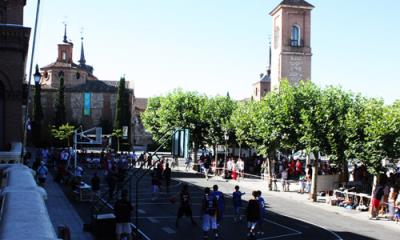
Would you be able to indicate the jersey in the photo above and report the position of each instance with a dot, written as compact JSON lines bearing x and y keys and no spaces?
{"x":261,"y":202}
{"x":237,"y":198}
{"x":185,"y":199}
{"x":219,"y":196}
{"x":210,"y":205}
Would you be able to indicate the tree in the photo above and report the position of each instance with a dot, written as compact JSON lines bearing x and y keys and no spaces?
{"x":217,"y":115}
{"x":178,"y":110}
{"x":374,"y":133}
{"x":63,"y":132}
{"x":117,"y":133}
{"x":122,"y":109}
{"x":313,"y":134}
{"x":336,"y":104}
{"x":60,"y":106}
{"x":268,"y":129}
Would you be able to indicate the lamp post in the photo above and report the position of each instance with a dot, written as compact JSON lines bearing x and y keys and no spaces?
{"x":37,"y":109}
{"x":29,"y":81}
{"x":226,"y":137}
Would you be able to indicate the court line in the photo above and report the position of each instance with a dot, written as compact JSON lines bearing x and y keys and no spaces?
{"x":283,"y":226}
{"x":294,"y":231}
{"x":320,"y":226}
{"x":280,"y":236}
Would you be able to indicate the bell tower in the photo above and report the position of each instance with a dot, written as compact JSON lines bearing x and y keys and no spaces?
{"x":291,"y":45}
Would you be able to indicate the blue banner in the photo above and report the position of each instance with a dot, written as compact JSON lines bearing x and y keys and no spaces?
{"x":86,"y":104}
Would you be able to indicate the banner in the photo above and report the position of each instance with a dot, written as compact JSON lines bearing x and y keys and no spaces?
{"x":86,"y":104}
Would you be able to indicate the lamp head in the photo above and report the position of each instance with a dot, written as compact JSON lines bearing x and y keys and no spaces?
{"x":37,"y":75}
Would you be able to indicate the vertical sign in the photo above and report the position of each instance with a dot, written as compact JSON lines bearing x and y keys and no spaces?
{"x":125,"y":132}
{"x":86,"y":104}
{"x":180,"y":143}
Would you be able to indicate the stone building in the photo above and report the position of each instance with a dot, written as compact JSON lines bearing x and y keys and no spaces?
{"x":14,"y":41}
{"x":263,"y":86}
{"x":290,"y":54}
{"x":89,"y":102}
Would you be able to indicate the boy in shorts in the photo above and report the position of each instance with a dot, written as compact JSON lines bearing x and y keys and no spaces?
{"x":237,"y":203}
{"x":209,"y":211}
{"x":253,"y":215}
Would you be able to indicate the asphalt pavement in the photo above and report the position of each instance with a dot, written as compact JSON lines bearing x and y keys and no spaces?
{"x":289,"y":217}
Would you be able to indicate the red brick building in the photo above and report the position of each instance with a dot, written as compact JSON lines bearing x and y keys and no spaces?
{"x":14,"y":41}
{"x":88,"y":101}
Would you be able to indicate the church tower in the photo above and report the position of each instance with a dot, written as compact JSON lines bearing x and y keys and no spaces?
{"x":291,"y":45}
{"x":263,"y":86}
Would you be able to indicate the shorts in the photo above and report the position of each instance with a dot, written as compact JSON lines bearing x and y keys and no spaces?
{"x":154,"y":188}
{"x":237,"y":209}
{"x":375,"y":203}
{"x":184,"y":211}
{"x":123,"y":228}
{"x":209,"y":222}
{"x":42,"y":180}
{"x":251,"y":225}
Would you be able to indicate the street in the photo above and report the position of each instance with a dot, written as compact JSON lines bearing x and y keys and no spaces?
{"x":286,"y":218}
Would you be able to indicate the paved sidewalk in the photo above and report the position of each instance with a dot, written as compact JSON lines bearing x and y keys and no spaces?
{"x":62,"y":212}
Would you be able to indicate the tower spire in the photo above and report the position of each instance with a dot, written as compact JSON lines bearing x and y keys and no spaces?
{"x":65,"y":33}
{"x":82,"y":60}
{"x":269,"y":58}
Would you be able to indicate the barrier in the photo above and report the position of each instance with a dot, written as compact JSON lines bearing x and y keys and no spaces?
{"x":12,"y":156}
{"x":23,"y":211}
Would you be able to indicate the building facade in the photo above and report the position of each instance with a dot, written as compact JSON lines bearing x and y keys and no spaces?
{"x":14,"y":41}
{"x":89,"y":102}
{"x":291,"y":42}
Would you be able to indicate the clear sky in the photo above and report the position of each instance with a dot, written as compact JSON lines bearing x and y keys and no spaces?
{"x":220,"y":46}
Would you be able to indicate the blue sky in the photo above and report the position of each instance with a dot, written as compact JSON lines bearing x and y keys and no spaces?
{"x":220,"y":46}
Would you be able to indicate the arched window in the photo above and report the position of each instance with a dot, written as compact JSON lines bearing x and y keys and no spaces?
{"x":295,"y":36}
{"x":64,"y":56}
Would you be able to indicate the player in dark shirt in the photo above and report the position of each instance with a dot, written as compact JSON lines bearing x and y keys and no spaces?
{"x":123,"y":210}
{"x":253,"y":214}
{"x":185,"y":207}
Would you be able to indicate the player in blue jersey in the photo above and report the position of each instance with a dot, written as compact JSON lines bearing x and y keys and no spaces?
{"x":219,"y":196}
{"x":237,"y":203}
{"x":209,"y":209}
{"x":263,"y":213}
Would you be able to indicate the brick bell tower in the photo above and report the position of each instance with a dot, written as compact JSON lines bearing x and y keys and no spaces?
{"x":14,"y":40}
{"x":291,"y":45}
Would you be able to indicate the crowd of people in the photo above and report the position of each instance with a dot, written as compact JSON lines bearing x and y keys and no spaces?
{"x":385,"y":200}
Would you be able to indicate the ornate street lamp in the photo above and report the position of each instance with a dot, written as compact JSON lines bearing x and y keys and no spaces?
{"x":29,"y":82}
{"x":37,"y":109}
{"x":37,"y":76}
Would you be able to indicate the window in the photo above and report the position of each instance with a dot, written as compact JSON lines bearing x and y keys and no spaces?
{"x":256,"y":92}
{"x":295,"y":36}
{"x":64,"y":56}
{"x":2,"y":115}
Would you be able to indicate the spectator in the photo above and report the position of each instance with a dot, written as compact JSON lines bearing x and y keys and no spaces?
{"x":95,"y":181}
{"x":123,"y":210}
{"x":167,"y":176}
{"x":42,"y":172}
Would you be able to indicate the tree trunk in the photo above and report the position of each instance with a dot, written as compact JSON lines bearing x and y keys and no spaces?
{"x":215,"y":153}
{"x":314,"y":178}
{"x":374,"y":183}
{"x":269,"y":167}
{"x":345,"y":170}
